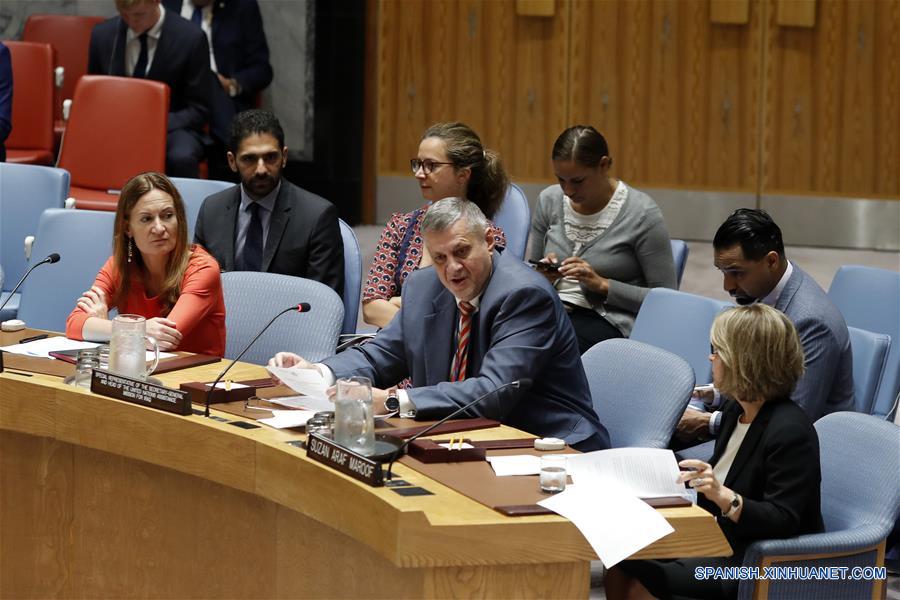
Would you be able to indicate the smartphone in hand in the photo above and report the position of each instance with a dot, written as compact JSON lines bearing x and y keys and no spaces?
{"x":544,"y":266}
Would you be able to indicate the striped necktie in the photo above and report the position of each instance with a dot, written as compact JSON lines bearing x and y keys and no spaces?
{"x":461,"y":358}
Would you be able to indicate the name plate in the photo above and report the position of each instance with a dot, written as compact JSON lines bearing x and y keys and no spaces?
{"x":140,"y":392}
{"x":337,"y":457}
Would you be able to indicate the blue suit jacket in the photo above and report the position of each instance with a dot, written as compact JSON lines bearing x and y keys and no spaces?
{"x":6,"y":96}
{"x":520,"y":331}
{"x":181,"y":61}
{"x":827,"y":385}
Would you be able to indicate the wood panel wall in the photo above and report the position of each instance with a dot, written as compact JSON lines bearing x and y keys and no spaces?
{"x":685,"y":100}
{"x":833,"y":101}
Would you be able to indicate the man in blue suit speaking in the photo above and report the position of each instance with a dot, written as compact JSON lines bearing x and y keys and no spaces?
{"x":473,"y":322}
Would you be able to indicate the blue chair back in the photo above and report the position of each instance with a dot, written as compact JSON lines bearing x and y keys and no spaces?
{"x":194,"y":192}
{"x":352,"y":277}
{"x":253,"y":298}
{"x":639,"y":392}
{"x":83,"y":240}
{"x":853,"y":448}
{"x":868,"y":298}
{"x":514,"y":218}
{"x":680,"y":323}
{"x":870,"y":351}
{"x":25,"y":192}
{"x":680,"y":253}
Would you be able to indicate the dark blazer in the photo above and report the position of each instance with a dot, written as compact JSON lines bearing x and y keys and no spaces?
{"x":239,"y":45}
{"x":521,"y":330}
{"x":181,"y":61}
{"x":304,"y":236}
{"x":777,"y":472}
{"x":6,"y":97}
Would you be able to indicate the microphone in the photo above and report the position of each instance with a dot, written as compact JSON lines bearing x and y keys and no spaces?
{"x":300,"y":308}
{"x":53,"y":258}
{"x":520,"y":384}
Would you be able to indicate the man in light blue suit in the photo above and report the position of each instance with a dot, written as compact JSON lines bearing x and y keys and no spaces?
{"x":749,"y":252}
{"x":518,"y":329}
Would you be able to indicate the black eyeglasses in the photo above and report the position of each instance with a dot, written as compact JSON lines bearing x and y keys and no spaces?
{"x":712,"y":349}
{"x":426,"y":165}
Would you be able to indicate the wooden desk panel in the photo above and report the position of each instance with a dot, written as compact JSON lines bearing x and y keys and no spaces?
{"x":105,"y":498}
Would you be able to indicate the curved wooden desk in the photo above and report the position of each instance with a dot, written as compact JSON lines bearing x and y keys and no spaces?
{"x":101,"y":498}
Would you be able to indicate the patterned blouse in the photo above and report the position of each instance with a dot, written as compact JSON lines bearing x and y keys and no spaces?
{"x":385,"y":280}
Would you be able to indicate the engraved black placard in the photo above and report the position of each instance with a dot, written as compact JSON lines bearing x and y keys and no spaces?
{"x":140,"y":392}
{"x":337,"y":457}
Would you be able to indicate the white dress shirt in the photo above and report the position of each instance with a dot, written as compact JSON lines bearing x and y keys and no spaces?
{"x":133,"y":44}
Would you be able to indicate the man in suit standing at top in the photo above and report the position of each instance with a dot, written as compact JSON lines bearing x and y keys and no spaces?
{"x":238,"y":58}
{"x":266,"y":223}
{"x":749,"y":252}
{"x":148,"y":42}
{"x":475,"y":321}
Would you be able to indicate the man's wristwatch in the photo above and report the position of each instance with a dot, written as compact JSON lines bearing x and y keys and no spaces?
{"x":733,"y":506}
{"x":392,"y":404}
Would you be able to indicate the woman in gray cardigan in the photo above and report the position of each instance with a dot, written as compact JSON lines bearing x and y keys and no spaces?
{"x":601,"y":244}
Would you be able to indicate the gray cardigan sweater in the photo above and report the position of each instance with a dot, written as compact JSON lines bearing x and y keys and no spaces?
{"x":634,"y":253}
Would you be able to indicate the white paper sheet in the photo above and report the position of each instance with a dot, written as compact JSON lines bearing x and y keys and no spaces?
{"x":615,"y":524}
{"x":303,"y":381}
{"x":641,"y":472}
{"x":42,"y":347}
{"x":518,"y":464}
{"x":288,"y":418}
{"x":304,"y":402}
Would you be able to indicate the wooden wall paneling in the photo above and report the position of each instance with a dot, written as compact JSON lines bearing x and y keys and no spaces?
{"x":734,"y":83}
{"x":634,"y":55}
{"x":733,"y":12}
{"x":598,"y":81}
{"x":832,"y":102}
{"x":415,"y":62}
{"x":790,"y":114}
{"x":539,"y":103}
{"x":796,"y":13}
{"x":483,"y":80}
{"x":858,"y":117}
{"x":887,"y":98}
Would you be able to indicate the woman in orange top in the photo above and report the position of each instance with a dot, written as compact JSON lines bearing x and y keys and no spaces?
{"x":174,"y":285}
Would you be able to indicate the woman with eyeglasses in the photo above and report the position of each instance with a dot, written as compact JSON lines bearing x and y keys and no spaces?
{"x":763,"y":479}
{"x":451,"y":162}
{"x":601,"y":243}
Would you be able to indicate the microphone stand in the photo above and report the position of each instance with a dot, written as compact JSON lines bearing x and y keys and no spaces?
{"x":302,"y":307}
{"x":518,"y":384}
{"x":53,"y":258}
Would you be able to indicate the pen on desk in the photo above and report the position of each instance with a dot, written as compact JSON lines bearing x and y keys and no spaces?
{"x":33,"y":338}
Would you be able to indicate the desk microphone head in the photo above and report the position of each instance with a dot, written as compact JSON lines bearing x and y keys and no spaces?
{"x":53,"y":258}
{"x":303,"y":307}
{"x":523,"y":384}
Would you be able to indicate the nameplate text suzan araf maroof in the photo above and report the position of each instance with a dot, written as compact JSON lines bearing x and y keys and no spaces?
{"x":337,"y":457}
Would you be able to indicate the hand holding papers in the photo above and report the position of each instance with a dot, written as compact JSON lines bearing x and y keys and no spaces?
{"x":641,"y":472}
{"x":308,"y":382}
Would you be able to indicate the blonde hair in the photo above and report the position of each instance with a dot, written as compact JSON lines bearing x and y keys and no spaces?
{"x":760,"y":352}
{"x":134,"y":190}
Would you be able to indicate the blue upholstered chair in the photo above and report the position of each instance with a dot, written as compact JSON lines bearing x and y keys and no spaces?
{"x":514,"y":218}
{"x":194,"y":192}
{"x":870,"y":352}
{"x":639,"y":392}
{"x":680,"y":323}
{"x":25,"y":192}
{"x":680,"y":253}
{"x":352,"y":278}
{"x":860,"y":458}
{"x":868,"y":298}
{"x":252,"y":299}
{"x":83,"y":240}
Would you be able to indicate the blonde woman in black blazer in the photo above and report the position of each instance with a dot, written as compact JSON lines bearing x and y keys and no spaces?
{"x":763,"y":479}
